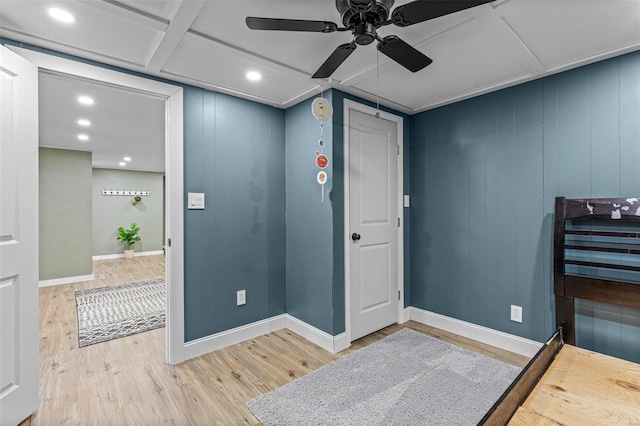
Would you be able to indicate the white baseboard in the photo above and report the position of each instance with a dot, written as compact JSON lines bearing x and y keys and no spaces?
{"x":233,"y":336}
{"x":405,"y":315}
{"x":67,"y":280}
{"x":333,"y":344}
{"x":214,"y":342}
{"x":492,"y":337}
{"x":121,"y":255}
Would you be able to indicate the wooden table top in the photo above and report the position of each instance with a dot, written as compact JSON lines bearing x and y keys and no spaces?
{"x":582,"y":387}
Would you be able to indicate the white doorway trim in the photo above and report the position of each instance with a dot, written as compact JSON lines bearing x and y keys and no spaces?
{"x":173,"y":95}
{"x":349,"y":106}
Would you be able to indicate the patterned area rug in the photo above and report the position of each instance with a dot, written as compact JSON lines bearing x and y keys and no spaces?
{"x":108,"y":313}
{"x":407,"y":378}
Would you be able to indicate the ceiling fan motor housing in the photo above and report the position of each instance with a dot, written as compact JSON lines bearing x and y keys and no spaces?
{"x":374,"y":12}
{"x":363,"y":18}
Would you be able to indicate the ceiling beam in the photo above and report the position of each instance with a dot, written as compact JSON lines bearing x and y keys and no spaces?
{"x":508,"y":40}
{"x":178,"y":27}
{"x":127,"y":12}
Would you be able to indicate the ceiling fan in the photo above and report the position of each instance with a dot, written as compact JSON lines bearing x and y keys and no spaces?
{"x":363,"y":18}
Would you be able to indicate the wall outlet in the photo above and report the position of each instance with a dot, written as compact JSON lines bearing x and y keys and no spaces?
{"x":241,"y":297}
{"x":516,"y":313}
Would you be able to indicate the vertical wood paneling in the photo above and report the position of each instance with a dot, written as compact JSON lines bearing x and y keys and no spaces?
{"x":420,"y":160}
{"x":309,"y":229}
{"x":528,"y":119}
{"x":574,"y":144}
{"x":233,"y":150}
{"x":506,"y":264}
{"x":574,"y":134}
{"x":629,"y":124}
{"x":492,"y":222}
{"x":551,"y":182}
{"x":630,"y":344}
{"x":458,"y":210}
{"x":438,"y":279}
{"x":605,"y":129}
{"x":477,"y":214}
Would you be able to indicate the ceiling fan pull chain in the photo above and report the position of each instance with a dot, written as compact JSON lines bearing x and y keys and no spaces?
{"x":377,"y":84}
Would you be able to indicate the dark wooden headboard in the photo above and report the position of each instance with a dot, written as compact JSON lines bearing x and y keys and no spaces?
{"x":598,"y":240}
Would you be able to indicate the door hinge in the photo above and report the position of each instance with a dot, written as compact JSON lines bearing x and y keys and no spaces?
{"x":398,"y":294}
{"x":398,"y":222}
{"x":398,"y":146}
{"x":169,"y":242}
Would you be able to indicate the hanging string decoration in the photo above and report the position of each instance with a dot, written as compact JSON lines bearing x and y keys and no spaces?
{"x":322,"y":110}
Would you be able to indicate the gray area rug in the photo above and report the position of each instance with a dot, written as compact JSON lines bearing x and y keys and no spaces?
{"x":108,"y":313}
{"x":407,"y":378}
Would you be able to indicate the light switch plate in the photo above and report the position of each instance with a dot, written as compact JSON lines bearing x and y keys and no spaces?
{"x":195,"y":201}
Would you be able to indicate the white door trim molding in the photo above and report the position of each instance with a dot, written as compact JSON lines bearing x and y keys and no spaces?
{"x":349,"y":106}
{"x":173,"y":169}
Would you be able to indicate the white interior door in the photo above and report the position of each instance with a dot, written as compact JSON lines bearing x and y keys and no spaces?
{"x":373,"y":223}
{"x":19,"y":356}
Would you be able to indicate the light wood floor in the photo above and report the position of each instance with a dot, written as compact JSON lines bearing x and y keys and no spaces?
{"x":126,"y":381}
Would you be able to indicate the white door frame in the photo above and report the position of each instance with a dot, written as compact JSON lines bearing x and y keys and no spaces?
{"x":349,"y":106}
{"x":174,"y":272}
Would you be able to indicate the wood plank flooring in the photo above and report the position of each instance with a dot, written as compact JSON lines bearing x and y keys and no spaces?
{"x":583,"y":387}
{"x":127,"y":382}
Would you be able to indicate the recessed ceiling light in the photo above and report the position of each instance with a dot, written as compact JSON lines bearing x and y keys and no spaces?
{"x":254,"y":76}
{"x":84,"y":122}
{"x":127,"y":158}
{"x":61,"y":15}
{"x":122,"y":163}
{"x":85,"y":100}
{"x":83,"y":137}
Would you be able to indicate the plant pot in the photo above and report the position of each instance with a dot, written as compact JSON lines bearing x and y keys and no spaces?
{"x":134,"y":201}
{"x":128,"y":254}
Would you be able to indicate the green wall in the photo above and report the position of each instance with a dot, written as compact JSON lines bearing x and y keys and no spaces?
{"x":65,"y":213}
{"x":113,"y":211}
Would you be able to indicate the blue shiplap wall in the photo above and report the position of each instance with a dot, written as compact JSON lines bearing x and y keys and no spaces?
{"x":484,"y":175}
{"x":309,"y":222}
{"x":315,"y":230}
{"x":234,"y":153}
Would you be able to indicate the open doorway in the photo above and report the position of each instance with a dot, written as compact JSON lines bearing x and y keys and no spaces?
{"x":101,"y":167}
{"x":172,"y":99}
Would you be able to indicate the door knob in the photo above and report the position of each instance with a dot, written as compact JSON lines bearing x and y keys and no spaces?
{"x":355,"y":237}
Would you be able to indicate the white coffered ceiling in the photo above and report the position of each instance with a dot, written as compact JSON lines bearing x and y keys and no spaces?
{"x":123,"y":123}
{"x":206,"y":43}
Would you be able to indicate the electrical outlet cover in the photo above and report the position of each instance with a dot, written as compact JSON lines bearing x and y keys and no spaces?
{"x":241,"y":297}
{"x":516,"y":313}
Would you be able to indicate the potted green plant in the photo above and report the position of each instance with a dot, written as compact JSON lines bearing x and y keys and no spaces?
{"x":129,"y":237}
{"x":136,"y":200}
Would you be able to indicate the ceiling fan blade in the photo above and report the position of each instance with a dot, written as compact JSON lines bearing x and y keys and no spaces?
{"x":403,"y":53}
{"x":336,"y":59}
{"x":423,"y":10}
{"x":276,"y":24}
